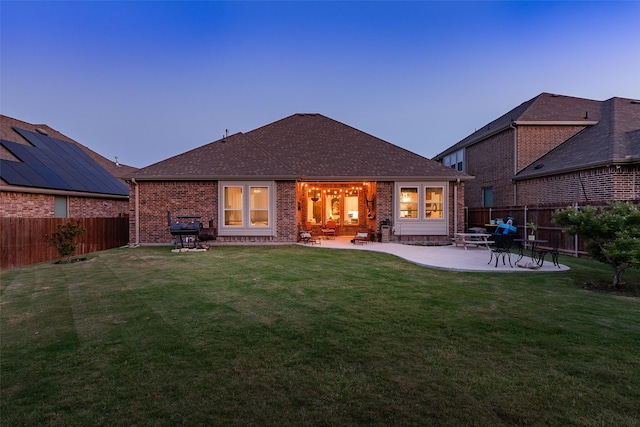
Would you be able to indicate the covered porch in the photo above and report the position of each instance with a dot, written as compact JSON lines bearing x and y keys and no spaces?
{"x":351,"y":206}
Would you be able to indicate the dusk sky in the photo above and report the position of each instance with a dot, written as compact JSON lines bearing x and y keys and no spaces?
{"x":146,"y":80}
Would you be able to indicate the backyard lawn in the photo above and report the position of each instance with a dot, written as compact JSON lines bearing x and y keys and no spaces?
{"x":291,"y":335}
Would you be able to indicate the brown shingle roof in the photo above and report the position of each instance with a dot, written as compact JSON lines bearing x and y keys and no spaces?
{"x":8,"y":133}
{"x":301,"y":146}
{"x":545,"y":107}
{"x":236,"y":156}
{"x":614,"y":139}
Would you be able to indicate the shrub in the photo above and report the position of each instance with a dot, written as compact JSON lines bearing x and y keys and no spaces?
{"x":65,"y":239}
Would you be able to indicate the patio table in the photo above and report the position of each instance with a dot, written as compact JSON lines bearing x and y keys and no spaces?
{"x":475,"y":239}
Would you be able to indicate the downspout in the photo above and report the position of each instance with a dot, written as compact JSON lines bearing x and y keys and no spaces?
{"x":515,"y":163}
{"x":455,"y":205}
{"x":137,"y":212}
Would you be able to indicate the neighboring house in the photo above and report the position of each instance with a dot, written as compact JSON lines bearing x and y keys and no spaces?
{"x":261,"y":185}
{"x":45,"y":174}
{"x":553,"y":149}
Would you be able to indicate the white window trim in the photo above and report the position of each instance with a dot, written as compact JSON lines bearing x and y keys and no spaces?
{"x":421,"y":225}
{"x":246,"y":229}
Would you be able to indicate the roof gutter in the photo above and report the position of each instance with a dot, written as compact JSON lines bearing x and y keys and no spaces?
{"x":304,"y":178}
{"x":515,"y":161}
{"x":455,"y":206}
{"x":136,"y":212}
{"x":555,"y":122}
{"x":627,"y":161}
{"x":53,"y":192}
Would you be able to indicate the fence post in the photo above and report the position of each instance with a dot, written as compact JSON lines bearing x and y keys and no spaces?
{"x":525,"y":221}
{"x":466,"y":219}
{"x":575,"y":238}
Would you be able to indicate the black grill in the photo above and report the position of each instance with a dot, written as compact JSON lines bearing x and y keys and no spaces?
{"x":184,"y":228}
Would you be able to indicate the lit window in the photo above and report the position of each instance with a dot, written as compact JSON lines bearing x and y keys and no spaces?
{"x":408,"y":202}
{"x":351,"y":207}
{"x":332,"y":205}
{"x":314,"y":205}
{"x":246,"y":208}
{"x":233,"y":206}
{"x":433,"y":202}
{"x":259,"y":206}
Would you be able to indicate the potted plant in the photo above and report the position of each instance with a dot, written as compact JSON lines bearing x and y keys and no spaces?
{"x":532,"y":230}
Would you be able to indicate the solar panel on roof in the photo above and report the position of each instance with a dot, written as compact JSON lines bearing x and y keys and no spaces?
{"x":53,"y":163}
{"x":52,"y":178}
{"x":17,"y":173}
{"x":10,"y":174}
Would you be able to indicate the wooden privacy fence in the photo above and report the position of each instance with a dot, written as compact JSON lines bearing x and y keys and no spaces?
{"x":22,"y":240}
{"x":541,"y":215}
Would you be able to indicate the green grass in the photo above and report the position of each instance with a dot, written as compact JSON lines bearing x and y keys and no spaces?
{"x":292,"y":335}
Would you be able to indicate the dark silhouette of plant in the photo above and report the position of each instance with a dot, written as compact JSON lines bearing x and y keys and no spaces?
{"x":65,"y":239}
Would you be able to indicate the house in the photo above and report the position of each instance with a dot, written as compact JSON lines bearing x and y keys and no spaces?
{"x":45,"y":174}
{"x":261,"y":185}
{"x":552,"y":149}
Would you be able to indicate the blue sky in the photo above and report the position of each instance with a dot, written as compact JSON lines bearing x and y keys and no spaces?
{"x":146,"y":80}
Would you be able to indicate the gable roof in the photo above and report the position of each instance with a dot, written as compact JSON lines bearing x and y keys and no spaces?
{"x":41,"y":158}
{"x":545,"y":108}
{"x":301,"y":146}
{"x":615,"y":139}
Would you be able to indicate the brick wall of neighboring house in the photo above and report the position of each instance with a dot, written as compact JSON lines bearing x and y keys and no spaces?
{"x":492,"y":163}
{"x":602,"y":184}
{"x":31,"y":205}
{"x":626,"y":183}
{"x":26,"y":205}
{"x":534,"y":141}
{"x":85,"y":207}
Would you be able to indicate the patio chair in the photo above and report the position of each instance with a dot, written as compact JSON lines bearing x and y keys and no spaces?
{"x":362,"y":236}
{"x":306,"y":235}
{"x":502,"y":248}
{"x":329,"y":230}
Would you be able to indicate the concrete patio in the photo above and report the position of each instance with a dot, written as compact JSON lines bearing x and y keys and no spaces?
{"x":447,"y":257}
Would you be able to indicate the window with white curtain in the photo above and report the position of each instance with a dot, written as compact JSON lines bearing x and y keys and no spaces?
{"x":246,"y":208}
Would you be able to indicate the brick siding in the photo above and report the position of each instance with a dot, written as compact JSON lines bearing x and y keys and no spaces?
{"x":32,"y":205}
{"x":200,"y":198}
{"x":460,"y":208}
{"x":384,"y":202}
{"x":492,"y":163}
{"x":535,"y":141}
{"x":84,"y":207}
{"x":602,"y":184}
{"x":180,"y":198}
{"x":286,"y":211}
